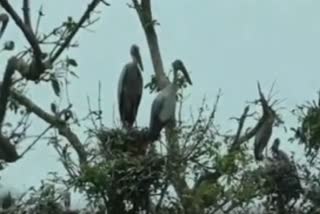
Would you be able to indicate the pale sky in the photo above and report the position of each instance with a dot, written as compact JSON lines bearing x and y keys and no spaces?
{"x":227,"y":44}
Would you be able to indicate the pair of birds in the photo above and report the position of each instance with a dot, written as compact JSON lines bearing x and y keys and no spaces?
{"x":130,"y":88}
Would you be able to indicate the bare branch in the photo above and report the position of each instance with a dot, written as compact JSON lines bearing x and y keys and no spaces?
{"x":59,"y":124}
{"x":5,"y":88}
{"x":35,"y":141}
{"x":4,"y":18}
{"x":84,"y":17}
{"x":33,"y":74}
{"x":145,"y":16}
{"x":26,"y":13}
{"x":236,"y":143}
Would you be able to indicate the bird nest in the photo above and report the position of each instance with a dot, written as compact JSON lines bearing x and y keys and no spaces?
{"x":282,"y":178}
{"x":129,"y":167}
{"x":134,"y":141}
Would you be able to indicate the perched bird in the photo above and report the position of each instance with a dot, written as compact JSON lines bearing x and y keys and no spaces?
{"x":130,"y":88}
{"x":277,"y":153}
{"x":265,"y":126}
{"x":164,"y":105}
{"x":288,"y":181}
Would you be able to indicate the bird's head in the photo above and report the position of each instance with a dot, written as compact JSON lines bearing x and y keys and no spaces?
{"x":179,"y":66}
{"x":135,"y":53}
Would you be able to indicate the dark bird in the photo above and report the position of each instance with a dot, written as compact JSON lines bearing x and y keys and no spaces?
{"x":277,"y":153}
{"x":288,"y":180}
{"x":265,"y":126}
{"x":164,"y":105}
{"x":130,"y":88}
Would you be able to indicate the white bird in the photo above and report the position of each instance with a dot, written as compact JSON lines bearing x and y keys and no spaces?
{"x":164,"y":105}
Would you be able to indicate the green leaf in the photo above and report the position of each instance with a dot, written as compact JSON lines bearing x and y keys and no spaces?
{"x":55,"y":85}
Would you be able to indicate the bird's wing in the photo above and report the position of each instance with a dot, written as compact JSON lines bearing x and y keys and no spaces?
{"x":139,"y":89}
{"x":157,"y":105}
{"x":121,"y":83}
{"x":261,"y":139}
{"x":156,"y":125}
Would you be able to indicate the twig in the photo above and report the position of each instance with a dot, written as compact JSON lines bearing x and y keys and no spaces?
{"x":59,"y":124}
{"x":35,"y":141}
{"x":236,"y":143}
{"x":99,"y":105}
{"x":40,"y":14}
{"x":84,"y":17}
{"x":5,"y":88}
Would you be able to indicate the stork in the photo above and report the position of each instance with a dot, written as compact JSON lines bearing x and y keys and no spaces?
{"x":277,"y":153}
{"x":265,"y":126}
{"x":290,"y":180}
{"x":130,"y":88}
{"x":164,"y":105}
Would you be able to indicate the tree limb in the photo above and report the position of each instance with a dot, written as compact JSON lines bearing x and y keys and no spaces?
{"x":145,"y":16}
{"x":236,"y":143}
{"x":59,"y":124}
{"x":5,"y":88}
{"x":84,"y":17}
{"x":34,"y":72}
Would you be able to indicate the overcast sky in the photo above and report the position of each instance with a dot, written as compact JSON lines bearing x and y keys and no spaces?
{"x":227,"y":44}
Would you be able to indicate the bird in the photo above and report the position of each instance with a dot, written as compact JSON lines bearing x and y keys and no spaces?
{"x":130,"y":88}
{"x":277,"y":153}
{"x":164,"y":105}
{"x":265,"y":126}
{"x":288,"y":177}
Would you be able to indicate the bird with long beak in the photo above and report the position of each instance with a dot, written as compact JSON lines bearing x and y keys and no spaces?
{"x":164,"y":105}
{"x":130,"y":88}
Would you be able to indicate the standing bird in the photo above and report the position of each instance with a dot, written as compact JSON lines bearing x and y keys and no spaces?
{"x":265,"y":126}
{"x":164,"y":105}
{"x":130,"y":88}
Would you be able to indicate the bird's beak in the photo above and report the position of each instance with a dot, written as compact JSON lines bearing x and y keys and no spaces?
{"x":186,"y":75}
{"x":139,"y":60}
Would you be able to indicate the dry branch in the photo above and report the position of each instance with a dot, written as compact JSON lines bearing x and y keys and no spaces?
{"x":59,"y":124}
{"x":84,"y":18}
{"x":147,"y":22}
{"x":34,"y":73}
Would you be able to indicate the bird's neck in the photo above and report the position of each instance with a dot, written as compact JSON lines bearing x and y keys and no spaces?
{"x":175,"y":79}
{"x":134,"y":60}
{"x":173,"y":86}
